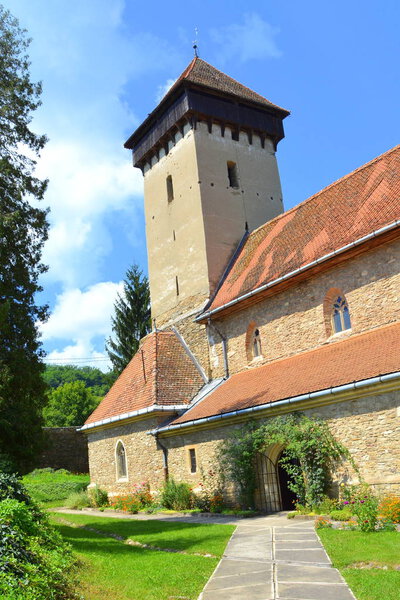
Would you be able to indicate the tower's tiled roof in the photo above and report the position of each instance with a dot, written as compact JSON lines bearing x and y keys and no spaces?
{"x":358,"y":204}
{"x":160,"y":374}
{"x":356,"y":358}
{"x":202,"y":73}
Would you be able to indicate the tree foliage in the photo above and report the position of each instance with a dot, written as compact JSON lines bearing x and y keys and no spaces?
{"x":98,"y":382}
{"x":309,"y":441}
{"x":131,"y":321}
{"x":70,"y":404}
{"x":23,"y":231}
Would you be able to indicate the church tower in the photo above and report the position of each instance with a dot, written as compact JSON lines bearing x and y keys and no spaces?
{"x":207,"y":153}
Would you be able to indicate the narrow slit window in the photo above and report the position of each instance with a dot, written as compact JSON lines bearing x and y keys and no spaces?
{"x":122,"y":471}
{"x":193,"y":461}
{"x":256,"y":344}
{"x":233,"y":175}
{"x":170,"y":189}
{"x":177,"y":285}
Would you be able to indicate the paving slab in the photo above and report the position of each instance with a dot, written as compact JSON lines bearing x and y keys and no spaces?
{"x":271,"y":558}
{"x":289,"y":573}
{"x":309,"y":591}
{"x":252,"y":592}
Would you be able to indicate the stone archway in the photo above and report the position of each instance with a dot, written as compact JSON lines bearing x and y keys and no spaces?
{"x":272,"y":493}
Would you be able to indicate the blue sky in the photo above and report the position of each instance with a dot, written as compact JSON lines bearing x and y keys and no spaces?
{"x":104,"y":65}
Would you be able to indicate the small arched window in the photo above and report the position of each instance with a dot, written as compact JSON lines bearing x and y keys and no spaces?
{"x":340,"y":315}
{"x":122,"y":471}
{"x":256,"y":343}
{"x":253,"y":342}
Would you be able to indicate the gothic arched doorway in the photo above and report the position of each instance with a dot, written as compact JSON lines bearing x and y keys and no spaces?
{"x":272,"y":491}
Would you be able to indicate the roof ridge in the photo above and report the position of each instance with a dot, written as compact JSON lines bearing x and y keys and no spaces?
{"x":237,"y":82}
{"x":336,"y":182}
{"x":353,"y":337}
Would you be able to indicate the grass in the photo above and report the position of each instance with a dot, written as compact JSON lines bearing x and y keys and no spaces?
{"x":350,"y":550}
{"x":189,"y":537}
{"x":112,"y":570}
{"x":50,"y":488}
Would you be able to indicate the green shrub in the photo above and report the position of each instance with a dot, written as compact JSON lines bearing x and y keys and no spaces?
{"x":34,"y":561}
{"x":11,"y":487}
{"x":340,"y":515}
{"x":77,"y":500}
{"x":326,"y":506}
{"x":176,"y":495}
{"x":97,"y":497}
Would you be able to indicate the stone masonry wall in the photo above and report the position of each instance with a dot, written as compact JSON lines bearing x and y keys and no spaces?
{"x":293,"y":321}
{"x":369,"y":427}
{"x":144,"y":459}
{"x":66,"y":449}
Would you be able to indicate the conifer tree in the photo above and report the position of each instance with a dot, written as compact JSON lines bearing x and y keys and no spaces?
{"x":23,"y":230}
{"x":131,"y":321}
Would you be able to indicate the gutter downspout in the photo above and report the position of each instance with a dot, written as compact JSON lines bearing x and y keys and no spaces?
{"x":224,"y":347}
{"x":165,"y":455}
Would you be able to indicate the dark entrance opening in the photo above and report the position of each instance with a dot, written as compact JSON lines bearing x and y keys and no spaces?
{"x":287,"y":496}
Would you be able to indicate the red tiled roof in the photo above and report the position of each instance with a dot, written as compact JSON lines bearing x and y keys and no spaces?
{"x":358,"y":357}
{"x":202,"y":73}
{"x":354,"y":206}
{"x":160,"y":373}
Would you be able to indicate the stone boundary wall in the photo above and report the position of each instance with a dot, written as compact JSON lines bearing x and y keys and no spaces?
{"x":67,"y":448}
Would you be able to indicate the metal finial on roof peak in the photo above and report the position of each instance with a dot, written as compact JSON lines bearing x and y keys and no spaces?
{"x":195,"y":46}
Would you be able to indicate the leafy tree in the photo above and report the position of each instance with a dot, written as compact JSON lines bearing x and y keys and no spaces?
{"x":23,"y":230}
{"x":94,"y":379}
{"x":69,"y":404}
{"x":132,"y":319}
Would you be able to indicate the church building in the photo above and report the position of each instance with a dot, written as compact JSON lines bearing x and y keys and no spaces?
{"x":257,"y":312}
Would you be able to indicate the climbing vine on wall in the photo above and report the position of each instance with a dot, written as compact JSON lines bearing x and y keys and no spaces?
{"x":309,"y":441}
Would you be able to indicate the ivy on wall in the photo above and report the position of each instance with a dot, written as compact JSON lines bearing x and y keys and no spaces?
{"x":308,"y":441}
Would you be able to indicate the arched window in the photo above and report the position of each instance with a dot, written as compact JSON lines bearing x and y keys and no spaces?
{"x":336,"y":312}
{"x":256,"y":343}
{"x":120,"y":454}
{"x":340,"y":315}
{"x":253,"y":342}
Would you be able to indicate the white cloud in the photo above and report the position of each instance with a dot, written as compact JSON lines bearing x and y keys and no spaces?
{"x":86,"y":57}
{"x":163,"y":89}
{"x":253,"y":39}
{"x":81,"y":316}
{"x":80,"y":354}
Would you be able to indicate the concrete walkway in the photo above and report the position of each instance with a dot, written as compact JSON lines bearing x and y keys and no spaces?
{"x":267,"y":558}
{"x":270,"y":557}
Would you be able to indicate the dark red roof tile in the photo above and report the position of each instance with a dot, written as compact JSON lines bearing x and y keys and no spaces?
{"x":352,"y":207}
{"x":160,"y":373}
{"x":202,"y":73}
{"x":358,"y":357}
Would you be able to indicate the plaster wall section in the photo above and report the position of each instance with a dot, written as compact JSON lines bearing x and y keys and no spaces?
{"x":294,"y":321}
{"x":144,"y":459}
{"x":368,"y":427}
{"x":226,"y":210}
{"x":176,"y":244}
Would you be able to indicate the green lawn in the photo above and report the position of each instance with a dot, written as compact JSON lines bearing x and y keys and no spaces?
{"x":50,"y":488}
{"x":350,"y":550}
{"x":112,"y":570}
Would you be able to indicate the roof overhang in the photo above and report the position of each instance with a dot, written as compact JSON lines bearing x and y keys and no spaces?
{"x":350,"y":391}
{"x":375,"y":238}
{"x":134,"y":415}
